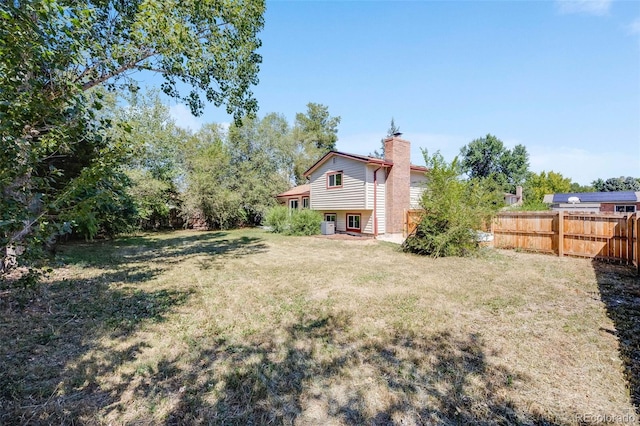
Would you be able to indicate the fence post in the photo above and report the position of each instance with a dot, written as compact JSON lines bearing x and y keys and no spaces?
{"x":637,"y":249}
{"x":629,"y":235}
{"x":560,"y":233}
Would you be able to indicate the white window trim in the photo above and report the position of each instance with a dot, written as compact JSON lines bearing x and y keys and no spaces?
{"x":349,"y":228}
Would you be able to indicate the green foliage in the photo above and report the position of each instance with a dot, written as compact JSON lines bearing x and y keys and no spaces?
{"x":305,"y":222}
{"x":534,"y":206}
{"x":488,"y":158}
{"x":315,"y":133}
{"x":621,"y":183}
{"x":154,"y":167}
{"x":282,"y":220}
{"x":232,"y":178}
{"x":539,"y":185}
{"x":152,"y":198}
{"x":56,"y":143}
{"x":454,"y":209}
{"x":278,"y":219}
{"x":98,"y":203}
{"x":576,"y":187}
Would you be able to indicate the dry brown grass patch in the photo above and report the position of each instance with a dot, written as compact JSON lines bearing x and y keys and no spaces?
{"x":246,"y":327}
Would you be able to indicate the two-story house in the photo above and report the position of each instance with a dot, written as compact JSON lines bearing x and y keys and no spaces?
{"x":362,"y":194}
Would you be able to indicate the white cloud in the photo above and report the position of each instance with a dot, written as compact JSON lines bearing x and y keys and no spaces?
{"x":183,"y":117}
{"x":588,"y":7}
{"x":634,"y":27}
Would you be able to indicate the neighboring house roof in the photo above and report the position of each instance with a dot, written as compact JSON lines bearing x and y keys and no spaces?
{"x":363,"y":158}
{"x":596,"y":197}
{"x":296,"y":191}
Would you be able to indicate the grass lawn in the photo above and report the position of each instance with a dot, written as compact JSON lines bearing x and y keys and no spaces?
{"x":247,"y":327}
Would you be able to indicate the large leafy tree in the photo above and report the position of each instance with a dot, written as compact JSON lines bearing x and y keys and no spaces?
{"x":155,"y":167}
{"x":232,"y":177}
{"x":315,"y":133}
{"x":488,"y":158}
{"x":53,"y":52}
{"x":540,"y":184}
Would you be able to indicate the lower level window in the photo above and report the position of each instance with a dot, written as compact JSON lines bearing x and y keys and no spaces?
{"x":626,"y":209}
{"x":305,"y":202}
{"x":293,"y":204}
{"x":353,"y":222}
{"x":330,"y":217}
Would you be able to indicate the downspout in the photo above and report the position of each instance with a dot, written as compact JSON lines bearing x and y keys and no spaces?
{"x":375,"y":202}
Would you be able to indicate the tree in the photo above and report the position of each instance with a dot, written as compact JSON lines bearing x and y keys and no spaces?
{"x":488,"y":158}
{"x":621,"y":183}
{"x":453,"y":209}
{"x":256,"y":172}
{"x":392,"y":130}
{"x":514,"y":166}
{"x":539,"y":185}
{"x":576,"y":187}
{"x":233,"y":177}
{"x":53,"y":52}
{"x":315,"y":133}
{"x":154,"y":168}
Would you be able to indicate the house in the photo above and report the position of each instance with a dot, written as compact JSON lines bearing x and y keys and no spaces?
{"x":295,"y":198}
{"x":603,"y":202}
{"x":513,"y":199}
{"x":363,"y":194}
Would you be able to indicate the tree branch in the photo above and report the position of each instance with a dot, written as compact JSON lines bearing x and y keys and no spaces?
{"x":126,"y":67}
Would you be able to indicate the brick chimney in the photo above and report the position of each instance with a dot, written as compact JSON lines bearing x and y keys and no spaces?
{"x":397,"y":151}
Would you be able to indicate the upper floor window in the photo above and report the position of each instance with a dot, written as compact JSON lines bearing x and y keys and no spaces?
{"x":334,"y":180}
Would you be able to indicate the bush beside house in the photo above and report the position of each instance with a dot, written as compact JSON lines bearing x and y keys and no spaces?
{"x":282,"y":220}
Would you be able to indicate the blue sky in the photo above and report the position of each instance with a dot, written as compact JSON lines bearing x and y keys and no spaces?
{"x":560,"y":77}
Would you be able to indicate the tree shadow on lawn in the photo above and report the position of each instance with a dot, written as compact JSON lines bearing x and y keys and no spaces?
{"x":318,"y":375}
{"x":620,"y":291}
{"x":52,"y":350}
{"x":151,"y":248}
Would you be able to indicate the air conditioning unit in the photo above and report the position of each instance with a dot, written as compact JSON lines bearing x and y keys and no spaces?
{"x":327,"y":228}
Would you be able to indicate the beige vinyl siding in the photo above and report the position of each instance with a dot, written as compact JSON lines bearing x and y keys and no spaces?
{"x":366,"y":220}
{"x":380,"y":196}
{"x":341,"y":219}
{"x":416,"y":189}
{"x":352,"y":195}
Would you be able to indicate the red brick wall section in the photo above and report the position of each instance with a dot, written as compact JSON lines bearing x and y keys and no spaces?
{"x":610,"y":207}
{"x":398,"y":198}
{"x":605,"y":207}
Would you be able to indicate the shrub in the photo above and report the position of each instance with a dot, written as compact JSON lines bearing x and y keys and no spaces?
{"x":296,"y":222}
{"x":278,"y":219}
{"x":454,"y":209}
{"x":305,"y":222}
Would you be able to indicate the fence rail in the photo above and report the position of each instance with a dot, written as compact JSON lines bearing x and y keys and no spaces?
{"x":594,"y":235}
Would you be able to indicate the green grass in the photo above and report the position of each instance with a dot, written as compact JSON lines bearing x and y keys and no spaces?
{"x":248,"y":327}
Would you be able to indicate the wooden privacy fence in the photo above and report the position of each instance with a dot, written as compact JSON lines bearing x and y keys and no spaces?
{"x":595,"y":235}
